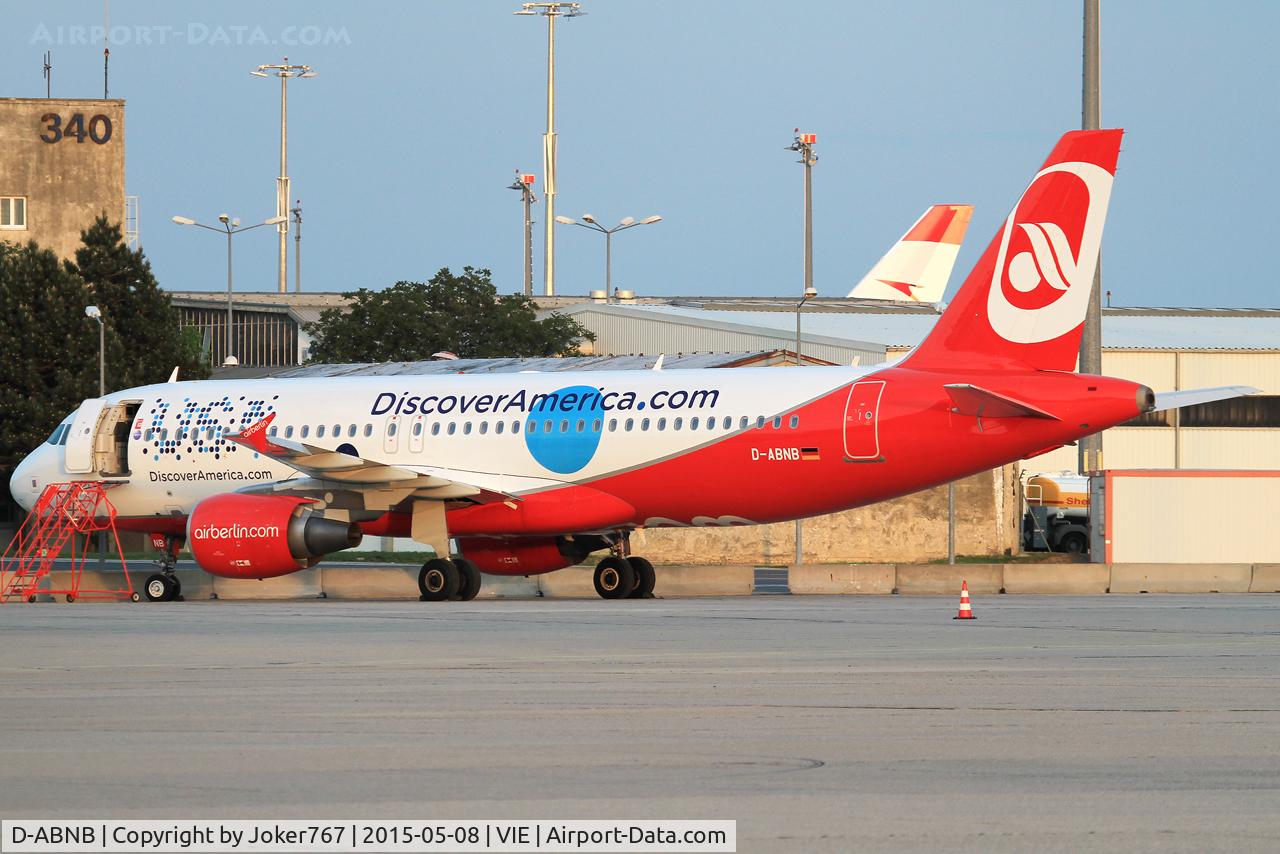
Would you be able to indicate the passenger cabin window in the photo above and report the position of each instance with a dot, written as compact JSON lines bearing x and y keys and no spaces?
{"x":515,"y":426}
{"x":435,"y":429}
{"x":320,"y":431}
{"x":675,"y":425}
{"x":499,"y":427}
{"x":644,"y":423}
{"x":777,"y":422}
{"x":391,"y":429}
{"x":693,"y":423}
{"x":351,"y":431}
{"x":795,"y":421}
{"x":368,"y":430}
{"x":417,"y":428}
{"x":662,"y":424}
{"x":288,"y":432}
{"x":452,"y":428}
{"x":613,"y":425}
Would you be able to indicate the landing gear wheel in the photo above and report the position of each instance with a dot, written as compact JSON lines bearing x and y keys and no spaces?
{"x":645,"y":578}
{"x":438,"y":580}
{"x":161,"y":588}
{"x":469,"y":583}
{"x":614,"y":579}
{"x":175,"y":592}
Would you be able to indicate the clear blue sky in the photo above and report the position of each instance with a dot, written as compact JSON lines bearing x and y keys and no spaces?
{"x":402,"y":147}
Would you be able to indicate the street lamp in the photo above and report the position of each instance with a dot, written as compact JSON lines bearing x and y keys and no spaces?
{"x":285,"y":72}
{"x":524,"y":183}
{"x":804,"y":143}
{"x":230,"y":226}
{"x":550,"y":11}
{"x":94,"y":313}
{"x":588,"y":221}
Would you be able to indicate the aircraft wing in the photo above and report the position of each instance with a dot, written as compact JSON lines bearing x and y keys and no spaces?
{"x":327,"y":469}
{"x":1178,"y":399}
{"x":975,"y":400}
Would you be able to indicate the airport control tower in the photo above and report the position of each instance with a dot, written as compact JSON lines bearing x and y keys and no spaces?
{"x":61,"y":165}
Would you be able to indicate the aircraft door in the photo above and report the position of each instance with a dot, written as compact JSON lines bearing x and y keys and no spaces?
{"x":80,"y":438}
{"x":862,"y":422}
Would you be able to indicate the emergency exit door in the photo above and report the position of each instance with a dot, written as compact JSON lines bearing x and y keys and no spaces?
{"x":862,"y":422}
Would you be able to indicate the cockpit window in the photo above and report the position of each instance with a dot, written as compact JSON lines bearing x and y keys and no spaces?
{"x":59,"y":434}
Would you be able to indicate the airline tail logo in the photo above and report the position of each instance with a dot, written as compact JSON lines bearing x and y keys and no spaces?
{"x":1048,"y":254}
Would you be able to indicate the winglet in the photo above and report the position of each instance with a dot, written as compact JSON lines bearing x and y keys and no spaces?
{"x":255,"y":436}
{"x":657,"y":366}
{"x":173,"y":377}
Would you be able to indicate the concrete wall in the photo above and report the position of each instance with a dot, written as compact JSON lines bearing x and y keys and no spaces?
{"x":66,"y":183}
{"x":911,"y":528}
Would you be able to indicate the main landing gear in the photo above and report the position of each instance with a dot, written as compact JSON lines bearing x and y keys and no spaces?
{"x":164,"y":585}
{"x":619,"y":577}
{"x":441,"y":579}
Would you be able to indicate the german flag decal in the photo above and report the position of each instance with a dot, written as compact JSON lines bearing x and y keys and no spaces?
{"x":810,"y":454}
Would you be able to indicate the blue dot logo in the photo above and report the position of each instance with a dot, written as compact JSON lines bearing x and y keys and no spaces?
{"x":561,"y":430}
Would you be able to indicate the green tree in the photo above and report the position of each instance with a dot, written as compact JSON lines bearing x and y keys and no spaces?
{"x":144,"y":343}
{"x":461,"y":314}
{"x":48,"y":348}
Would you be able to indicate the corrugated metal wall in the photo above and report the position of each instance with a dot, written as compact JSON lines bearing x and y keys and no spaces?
{"x":625,"y":335}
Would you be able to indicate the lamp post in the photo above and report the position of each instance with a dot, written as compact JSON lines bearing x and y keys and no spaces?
{"x":94,"y":313}
{"x":285,"y":72}
{"x":588,"y":221}
{"x":524,"y":183}
{"x":1089,"y":452}
{"x":231,"y":227}
{"x":804,"y":143}
{"x":550,"y":11}
{"x":809,"y":293}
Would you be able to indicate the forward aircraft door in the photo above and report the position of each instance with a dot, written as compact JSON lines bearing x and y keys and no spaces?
{"x":80,"y":439}
{"x":862,"y":422}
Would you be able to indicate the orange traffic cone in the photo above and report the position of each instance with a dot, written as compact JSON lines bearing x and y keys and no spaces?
{"x":966,"y":613}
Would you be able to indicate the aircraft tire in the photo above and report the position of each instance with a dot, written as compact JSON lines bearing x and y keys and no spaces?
{"x":438,"y":580}
{"x":469,"y":583}
{"x":614,"y":578}
{"x":645,"y":578}
{"x":159,"y":588}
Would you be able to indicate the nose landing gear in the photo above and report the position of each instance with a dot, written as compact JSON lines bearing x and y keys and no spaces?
{"x":164,"y":585}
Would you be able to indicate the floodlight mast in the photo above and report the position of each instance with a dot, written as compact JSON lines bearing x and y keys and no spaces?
{"x":285,"y":72}
{"x":550,"y":11}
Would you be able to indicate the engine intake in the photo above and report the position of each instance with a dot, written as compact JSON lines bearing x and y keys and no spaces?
{"x":263,"y":536}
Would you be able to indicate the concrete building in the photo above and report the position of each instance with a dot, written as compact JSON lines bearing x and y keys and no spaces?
{"x":61,"y":166}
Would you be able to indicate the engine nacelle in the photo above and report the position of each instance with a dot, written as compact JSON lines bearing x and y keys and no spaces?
{"x":525,"y":555}
{"x":262,"y":536}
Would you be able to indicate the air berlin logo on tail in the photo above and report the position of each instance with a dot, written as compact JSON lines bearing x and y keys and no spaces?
{"x":1040,"y":289}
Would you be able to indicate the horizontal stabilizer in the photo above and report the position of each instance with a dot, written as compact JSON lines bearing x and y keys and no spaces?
{"x":974,"y":400}
{"x":1178,"y":399}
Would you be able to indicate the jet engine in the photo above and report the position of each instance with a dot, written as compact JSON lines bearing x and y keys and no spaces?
{"x":262,"y":536}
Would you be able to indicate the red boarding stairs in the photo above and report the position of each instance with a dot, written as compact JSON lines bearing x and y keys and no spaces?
{"x":66,"y":513}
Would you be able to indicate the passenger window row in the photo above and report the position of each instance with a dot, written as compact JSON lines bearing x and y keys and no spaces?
{"x":497,"y":428}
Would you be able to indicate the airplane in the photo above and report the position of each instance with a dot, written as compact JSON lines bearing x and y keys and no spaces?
{"x":917,"y":267}
{"x":529,"y":473}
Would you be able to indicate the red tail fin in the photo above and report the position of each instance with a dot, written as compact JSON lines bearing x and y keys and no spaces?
{"x":1025,"y":300}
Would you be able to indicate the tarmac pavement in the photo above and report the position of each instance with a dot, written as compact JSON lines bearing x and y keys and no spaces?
{"x":1050,"y":723}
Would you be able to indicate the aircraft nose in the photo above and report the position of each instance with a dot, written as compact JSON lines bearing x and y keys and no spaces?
{"x":25,"y":483}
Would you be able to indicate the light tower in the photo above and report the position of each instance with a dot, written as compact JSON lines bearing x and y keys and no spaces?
{"x":285,"y":72}
{"x":551,"y":11}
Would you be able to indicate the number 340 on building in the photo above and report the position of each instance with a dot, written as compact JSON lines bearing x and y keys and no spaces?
{"x":98,"y":128}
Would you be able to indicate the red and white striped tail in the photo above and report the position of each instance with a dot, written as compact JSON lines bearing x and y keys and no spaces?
{"x":966,"y":612}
